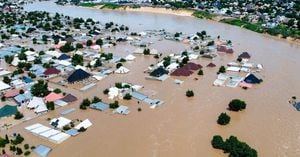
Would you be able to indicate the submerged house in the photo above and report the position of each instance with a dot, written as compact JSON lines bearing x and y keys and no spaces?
{"x":78,"y":75}
{"x":252,"y":79}
{"x":158,"y":72}
{"x":8,"y":110}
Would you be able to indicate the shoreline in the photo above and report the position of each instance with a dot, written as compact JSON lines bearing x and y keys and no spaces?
{"x":188,"y":13}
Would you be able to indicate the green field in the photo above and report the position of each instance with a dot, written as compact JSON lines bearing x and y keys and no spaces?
{"x":203,"y":15}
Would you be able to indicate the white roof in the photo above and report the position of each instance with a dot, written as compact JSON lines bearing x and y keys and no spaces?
{"x":62,"y":121}
{"x":219,"y":82}
{"x":40,"y":129}
{"x":59,"y":138}
{"x":193,"y":56}
{"x":29,"y":53}
{"x":35,"y":102}
{"x":234,"y":69}
{"x":122,"y":110}
{"x":122,"y":70}
{"x":53,"y":53}
{"x":80,"y":67}
{"x":79,"y":53}
{"x":153,"y":51}
{"x":30,"y":58}
{"x":49,"y":133}
{"x":3,"y":86}
{"x":96,"y":47}
{"x":86,"y":123}
{"x":139,"y":50}
{"x":64,"y":63}
{"x":41,"y":108}
{"x":130,"y":57}
{"x":34,"y":126}
{"x":15,"y":62}
{"x":4,"y":72}
{"x":172,"y":66}
{"x":113,"y":92}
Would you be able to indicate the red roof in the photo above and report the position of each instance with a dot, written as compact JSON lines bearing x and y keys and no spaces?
{"x":12,"y":93}
{"x":186,"y":70}
{"x":53,"y":97}
{"x":51,"y":71}
{"x":224,"y":48}
{"x":211,"y":65}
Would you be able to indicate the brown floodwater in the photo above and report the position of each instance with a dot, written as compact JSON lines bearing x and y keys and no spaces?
{"x":184,"y":126}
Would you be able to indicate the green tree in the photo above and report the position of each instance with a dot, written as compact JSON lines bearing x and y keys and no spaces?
{"x":79,"y":46}
{"x":127,"y":96}
{"x":99,"y":42}
{"x":89,"y":43}
{"x":237,"y":105}
{"x":6,"y":80}
{"x":19,"y":115}
{"x":114,"y":105}
{"x":217,"y":142}
{"x":223,"y":119}
{"x":77,"y":59}
{"x":50,"y":105}
{"x":40,"y":89}
{"x":8,"y":59}
{"x":96,"y":99}
{"x":222,"y":69}
{"x":200,"y":72}
{"x":189,"y":93}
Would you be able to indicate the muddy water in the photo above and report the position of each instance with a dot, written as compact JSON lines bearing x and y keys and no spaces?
{"x":184,"y":126}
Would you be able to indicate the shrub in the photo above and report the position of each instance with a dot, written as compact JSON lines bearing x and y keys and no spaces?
{"x":106,"y":91}
{"x":50,"y":105}
{"x":96,"y":99}
{"x":200,"y":72}
{"x":223,"y":119}
{"x":217,"y":142}
{"x":82,"y":129}
{"x":86,"y":102}
{"x":26,"y":146}
{"x":82,"y":107}
{"x":189,"y":93}
{"x":119,"y":65}
{"x":237,"y":105}
{"x":127,"y":96}
{"x":27,"y":153}
{"x":66,"y":127}
{"x":222,"y":69}
{"x":19,"y":151}
{"x":139,"y":109}
{"x":114,"y":105}
{"x":57,"y":91}
{"x":18,"y":140}
{"x":146,"y":52}
{"x":19,"y":115}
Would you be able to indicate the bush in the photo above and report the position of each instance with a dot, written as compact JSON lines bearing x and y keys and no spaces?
{"x":57,"y":91}
{"x":127,"y":96}
{"x":222,"y":69}
{"x":223,"y":119}
{"x":114,"y":105}
{"x":237,"y":105}
{"x":189,"y":93}
{"x":96,"y":99}
{"x":19,"y":115}
{"x":66,"y":127}
{"x":200,"y":72}
{"x":82,"y":107}
{"x":119,"y":65}
{"x":217,"y":142}
{"x":19,"y":151}
{"x":18,"y":140}
{"x":27,"y":153}
{"x":50,"y":105}
{"x":86,"y":102}
{"x":26,"y":146}
{"x":106,"y":91}
{"x":146,"y":52}
{"x":82,"y":129}
{"x":139,"y":109}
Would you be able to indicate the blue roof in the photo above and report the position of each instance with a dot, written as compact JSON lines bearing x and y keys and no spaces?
{"x":72,"y":132}
{"x":138,"y":96}
{"x":63,"y":57}
{"x":100,"y":106}
{"x":5,"y":53}
{"x":21,"y":98}
{"x":297,"y":106}
{"x":42,"y":150}
{"x":12,"y":49}
{"x":27,"y":79}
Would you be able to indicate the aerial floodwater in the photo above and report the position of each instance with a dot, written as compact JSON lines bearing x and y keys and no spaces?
{"x":184,"y":127}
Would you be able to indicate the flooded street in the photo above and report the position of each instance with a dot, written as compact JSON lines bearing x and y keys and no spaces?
{"x":184,"y":126}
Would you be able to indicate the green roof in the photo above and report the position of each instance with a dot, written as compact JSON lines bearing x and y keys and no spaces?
{"x":8,"y":110}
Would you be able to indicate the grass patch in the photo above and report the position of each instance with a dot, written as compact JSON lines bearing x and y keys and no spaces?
{"x":110,"y":6}
{"x":203,"y":15}
{"x":283,"y":30}
{"x":89,"y":4}
{"x":253,"y":27}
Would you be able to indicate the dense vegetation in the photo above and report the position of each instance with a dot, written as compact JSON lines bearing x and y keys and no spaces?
{"x":237,"y":105}
{"x":233,"y":146}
